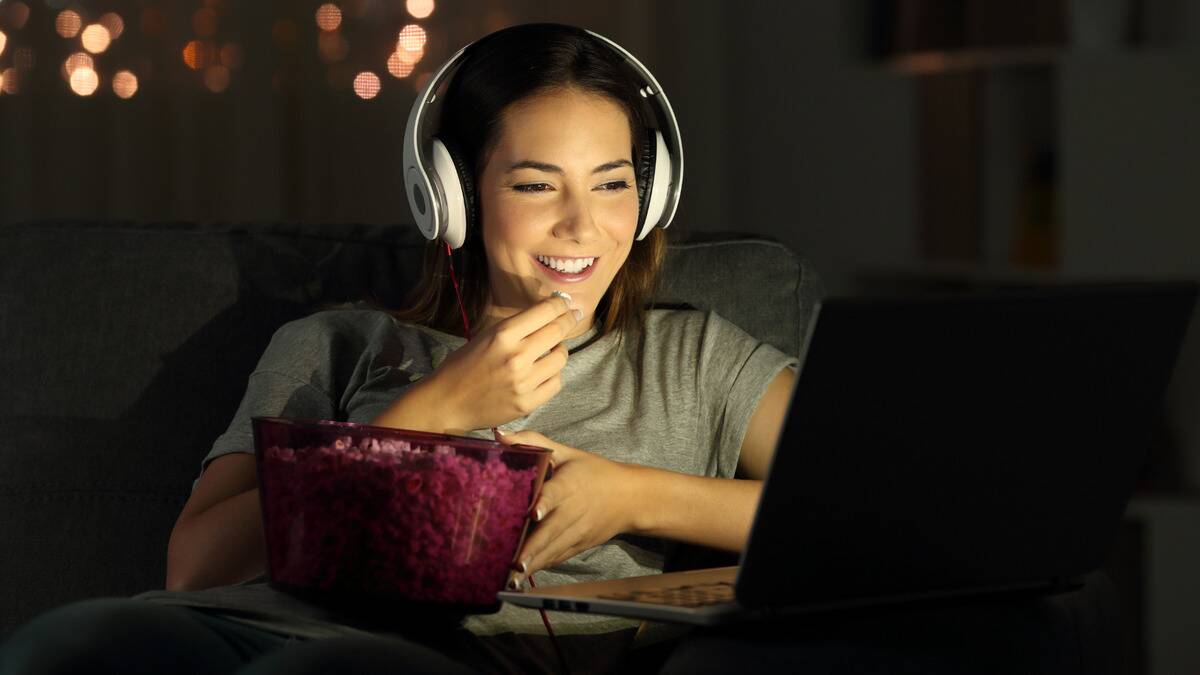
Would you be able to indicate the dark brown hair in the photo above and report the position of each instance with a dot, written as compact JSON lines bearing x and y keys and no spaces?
{"x":498,"y":71}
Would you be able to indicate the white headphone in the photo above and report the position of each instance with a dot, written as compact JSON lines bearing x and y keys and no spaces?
{"x":440,"y":183}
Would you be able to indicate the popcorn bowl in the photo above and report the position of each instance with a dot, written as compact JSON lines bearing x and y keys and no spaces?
{"x":360,"y":516}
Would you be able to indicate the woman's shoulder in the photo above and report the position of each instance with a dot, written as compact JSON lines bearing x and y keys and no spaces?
{"x":672,"y":322}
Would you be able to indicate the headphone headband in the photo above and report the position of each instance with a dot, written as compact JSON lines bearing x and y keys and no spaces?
{"x":436,"y":195}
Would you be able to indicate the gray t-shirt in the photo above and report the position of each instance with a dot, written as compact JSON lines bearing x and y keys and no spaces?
{"x":684,"y":405}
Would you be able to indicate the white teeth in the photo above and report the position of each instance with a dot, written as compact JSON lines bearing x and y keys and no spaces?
{"x":566,"y":266}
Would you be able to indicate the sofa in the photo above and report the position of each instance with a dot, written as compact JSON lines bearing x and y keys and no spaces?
{"x":125,"y":348}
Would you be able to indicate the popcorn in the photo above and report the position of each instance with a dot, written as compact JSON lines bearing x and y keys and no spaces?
{"x":422,"y":521}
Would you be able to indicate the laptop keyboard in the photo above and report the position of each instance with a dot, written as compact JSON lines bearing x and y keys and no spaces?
{"x":697,"y":595}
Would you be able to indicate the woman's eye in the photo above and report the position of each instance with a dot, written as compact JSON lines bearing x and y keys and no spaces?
{"x":532,"y":187}
{"x":615,"y":185}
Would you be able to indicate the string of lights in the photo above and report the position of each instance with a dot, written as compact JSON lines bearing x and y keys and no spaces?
{"x":210,"y":51}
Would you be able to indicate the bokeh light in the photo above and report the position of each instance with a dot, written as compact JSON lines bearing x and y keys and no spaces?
{"x":15,"y":14}
{"x":95,"y":38}
{"x":397,"y":66}
{"x":197,"y":54}
{"x":3,"y":41}
{"x":114,"y":23}
{"x":216,"y":78}
{"x":67,"y":23}
{"x":419,"y":9}
{"x":76,"y":61}
{"x":329,"y":17}
{"x":412,"y":38}
{"x":12,"y":81}
{"x":332,"y":46}
{"x":1,"y":82}
{"x":124,"y":84}
{"x":408,"y":58}
{"x":84,"y":81}
{"x":366,"y":85}
{"x":232,"y":56}
{"x":204,"y":22}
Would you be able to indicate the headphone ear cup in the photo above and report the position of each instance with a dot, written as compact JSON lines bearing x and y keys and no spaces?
{"x":458,"y":187}
{"x":645,"y":178}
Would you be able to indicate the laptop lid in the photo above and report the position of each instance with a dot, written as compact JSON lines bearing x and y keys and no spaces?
{"x":963,"y":442}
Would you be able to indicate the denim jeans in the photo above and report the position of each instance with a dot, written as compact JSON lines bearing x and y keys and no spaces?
{"x":122,"y":635}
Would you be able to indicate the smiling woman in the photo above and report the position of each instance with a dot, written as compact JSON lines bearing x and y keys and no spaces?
{"x":661,"y":421}
{"x":552,"y":127}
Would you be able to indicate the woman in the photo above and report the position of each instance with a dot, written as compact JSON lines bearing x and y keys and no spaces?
{"x":650,"y":414}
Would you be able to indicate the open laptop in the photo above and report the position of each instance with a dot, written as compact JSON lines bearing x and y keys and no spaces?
{"x":938,"y":446}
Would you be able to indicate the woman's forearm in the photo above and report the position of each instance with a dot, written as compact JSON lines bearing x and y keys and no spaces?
{"x":419,"y":410}
{"x":715,"y":512}
{"x":221,"y":545}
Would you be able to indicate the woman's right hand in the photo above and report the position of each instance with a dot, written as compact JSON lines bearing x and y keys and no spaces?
{"x":506,"y":371}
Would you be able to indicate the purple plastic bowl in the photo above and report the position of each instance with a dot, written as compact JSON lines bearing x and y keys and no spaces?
{"x":364,"y":512}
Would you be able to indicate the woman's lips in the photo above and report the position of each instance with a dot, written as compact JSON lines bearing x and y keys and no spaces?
{"x":565,"y":277}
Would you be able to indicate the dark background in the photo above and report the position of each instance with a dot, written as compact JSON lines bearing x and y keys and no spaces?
{"x":897,"y":143}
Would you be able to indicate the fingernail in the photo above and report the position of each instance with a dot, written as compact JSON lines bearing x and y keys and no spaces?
{"x":562,"y":294}
{"x":523,"y":566}
{"x":537,"y":514}
{"x":512,"y":584}
{"x":501,"y":431}
{"x":578,"y":314}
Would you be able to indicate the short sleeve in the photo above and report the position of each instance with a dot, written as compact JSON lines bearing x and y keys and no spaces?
{"x":283,"y":384}
{"x":733,"y":373}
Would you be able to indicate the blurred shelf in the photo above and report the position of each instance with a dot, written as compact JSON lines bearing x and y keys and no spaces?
{"x":967,"y":60}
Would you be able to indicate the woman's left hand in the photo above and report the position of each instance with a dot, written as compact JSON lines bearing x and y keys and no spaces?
{"x":587,"y":501}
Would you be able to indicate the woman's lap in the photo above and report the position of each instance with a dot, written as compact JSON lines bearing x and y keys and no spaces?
{"x":123,"y":635}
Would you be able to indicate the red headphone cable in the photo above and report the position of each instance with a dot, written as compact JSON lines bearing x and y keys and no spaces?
{"x":467,"y":334}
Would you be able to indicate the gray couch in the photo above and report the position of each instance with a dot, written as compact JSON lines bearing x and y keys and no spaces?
{"x":124,"y":350}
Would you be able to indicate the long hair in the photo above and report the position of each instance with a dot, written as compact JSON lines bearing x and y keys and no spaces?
{"x":498,"y":71}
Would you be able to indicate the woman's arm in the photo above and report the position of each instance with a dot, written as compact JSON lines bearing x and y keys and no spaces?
{"x":715,"y":512}
{"x":591,"y":498}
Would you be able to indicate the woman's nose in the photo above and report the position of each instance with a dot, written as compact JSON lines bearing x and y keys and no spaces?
{"x":578,"y":221}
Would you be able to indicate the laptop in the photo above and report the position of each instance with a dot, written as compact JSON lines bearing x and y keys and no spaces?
{"x":938,"y":446}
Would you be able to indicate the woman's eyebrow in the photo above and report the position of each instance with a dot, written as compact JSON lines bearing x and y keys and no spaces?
{"x":552,"y":168}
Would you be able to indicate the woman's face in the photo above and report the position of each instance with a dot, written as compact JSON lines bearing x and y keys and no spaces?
{"x":559,"y":184}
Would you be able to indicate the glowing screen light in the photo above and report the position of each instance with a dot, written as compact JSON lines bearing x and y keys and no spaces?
{"x":366,"y":85}
{"x":124,"y":84}
{"x":95,"y":38}
{"x":329,"y":17}
{"x":84,"y":81}
{"x":412,"y":38}
{"x":68,"y":23}
{"x":419,"y":9}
